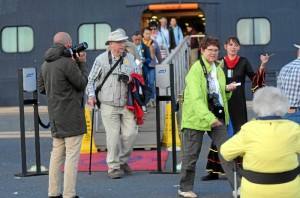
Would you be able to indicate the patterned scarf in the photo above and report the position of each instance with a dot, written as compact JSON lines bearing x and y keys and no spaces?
{"x":231,"y":63}
{"x":148,"y":43}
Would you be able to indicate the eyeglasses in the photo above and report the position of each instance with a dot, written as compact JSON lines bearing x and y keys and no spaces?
{"x":213,"y":51}
{"x":153,"y":28}
{"x":120,"y":42}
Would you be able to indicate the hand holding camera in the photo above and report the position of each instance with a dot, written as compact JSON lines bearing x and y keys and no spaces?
{"x":81,"y":57}
{"x":75,"y":51}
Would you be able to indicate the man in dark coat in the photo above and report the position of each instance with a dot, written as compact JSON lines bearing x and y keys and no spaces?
{"x":63,"y":79}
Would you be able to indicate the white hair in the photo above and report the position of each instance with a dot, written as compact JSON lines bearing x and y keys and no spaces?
{"x":270,"y":101}
{"x":163,"y":19}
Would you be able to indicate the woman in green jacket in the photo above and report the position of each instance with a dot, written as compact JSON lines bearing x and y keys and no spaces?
{"x":205,"y":109}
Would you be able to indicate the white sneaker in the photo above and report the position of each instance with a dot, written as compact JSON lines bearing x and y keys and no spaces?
{"x":178,"y":167}
{"x":189,"y":194}
{"x":144,"y":109}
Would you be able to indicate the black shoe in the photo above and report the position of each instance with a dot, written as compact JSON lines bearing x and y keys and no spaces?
{"x":210,"y":176}
{"x":60,"y":196}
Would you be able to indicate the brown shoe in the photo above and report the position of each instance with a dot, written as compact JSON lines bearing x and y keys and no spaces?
{"x":126,"y":168}
{"x":114,"y":174}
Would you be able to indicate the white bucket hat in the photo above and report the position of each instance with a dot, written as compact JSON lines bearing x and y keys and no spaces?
{"x":298,"y":46}
{"x":116,"y":36}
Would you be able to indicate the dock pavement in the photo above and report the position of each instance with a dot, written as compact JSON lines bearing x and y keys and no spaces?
{"x":146,"y":184}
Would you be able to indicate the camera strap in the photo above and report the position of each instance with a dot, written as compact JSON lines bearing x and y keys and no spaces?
{"x":205,"y":72}
{"x":110,"y":71}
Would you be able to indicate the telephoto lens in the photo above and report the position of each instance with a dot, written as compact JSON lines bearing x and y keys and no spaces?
{"x":80,"y":47}
{"x":76,"y":49}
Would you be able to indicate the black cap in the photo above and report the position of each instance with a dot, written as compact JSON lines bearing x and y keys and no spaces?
{"x":135,"y":33}
{"x":153,"y":23}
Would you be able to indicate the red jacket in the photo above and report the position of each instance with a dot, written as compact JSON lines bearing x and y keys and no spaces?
{"x":132,"y":103}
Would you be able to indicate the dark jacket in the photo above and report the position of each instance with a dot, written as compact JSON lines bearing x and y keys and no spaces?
{"x":146,"y":54}
{"x":172,"y":39}
{"x":194,"y":41}
{"x":64,"y":81}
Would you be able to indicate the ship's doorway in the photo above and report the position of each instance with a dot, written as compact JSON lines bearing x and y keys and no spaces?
{"x":184,"y":17}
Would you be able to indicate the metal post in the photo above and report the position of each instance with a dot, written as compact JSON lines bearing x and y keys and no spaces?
{"x":36,"y":132}
{"x":91,"y":143}
{"x":174,"y":157}
{"x":34,"y":102}
{"x":22,"y":123}
{"x":172,"y":99}
{"x":158,"y":139}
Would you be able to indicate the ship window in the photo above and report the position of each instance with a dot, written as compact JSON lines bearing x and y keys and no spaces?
{"x":254,"y":31}
{"x":17,"y":39}
{"x":94,"y":34}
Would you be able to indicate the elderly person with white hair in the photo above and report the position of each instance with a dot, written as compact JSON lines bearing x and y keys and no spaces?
{"x":269,"y":146}
{"x":118,"y":121}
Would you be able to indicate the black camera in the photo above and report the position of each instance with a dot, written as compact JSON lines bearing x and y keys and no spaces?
{"x":76,"y":49}
{"x":123,"y":77}
{"x":215,"y":106}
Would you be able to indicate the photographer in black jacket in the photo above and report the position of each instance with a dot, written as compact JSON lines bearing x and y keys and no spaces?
{"x":63,"y":79}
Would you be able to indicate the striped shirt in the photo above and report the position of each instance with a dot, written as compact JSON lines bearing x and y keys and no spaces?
{"x":288,"y":81}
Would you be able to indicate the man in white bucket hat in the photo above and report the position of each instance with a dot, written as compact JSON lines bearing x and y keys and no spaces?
{"x":118,"y":121}
{"x":289,"y":82}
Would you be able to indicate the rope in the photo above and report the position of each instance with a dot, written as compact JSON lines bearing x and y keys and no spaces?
{"x":42,"y":124}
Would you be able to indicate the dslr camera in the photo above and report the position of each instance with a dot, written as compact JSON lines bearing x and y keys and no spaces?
{"x":215,"y":106}
{"x":123,"y":77}
{"x":76,"y":49}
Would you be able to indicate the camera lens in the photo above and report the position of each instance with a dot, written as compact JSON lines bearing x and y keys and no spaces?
{"x":80,"y":47}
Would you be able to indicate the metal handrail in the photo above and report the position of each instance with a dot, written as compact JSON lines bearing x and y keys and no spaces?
{"x":179,"y":57}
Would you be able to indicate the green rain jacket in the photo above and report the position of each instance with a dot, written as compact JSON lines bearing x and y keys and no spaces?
{"x":195,"y":112}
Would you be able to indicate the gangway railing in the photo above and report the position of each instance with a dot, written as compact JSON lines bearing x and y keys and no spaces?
{"x":169,"y":82}
{"x":179,"y":57}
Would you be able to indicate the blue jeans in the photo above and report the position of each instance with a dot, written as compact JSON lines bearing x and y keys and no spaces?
{"x":149,"y":78}
{"x":293,"y":116}
{"x":151,"y":81}
{"x":145,"y":74}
